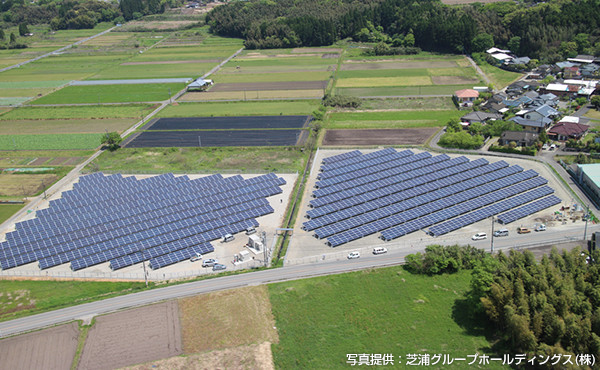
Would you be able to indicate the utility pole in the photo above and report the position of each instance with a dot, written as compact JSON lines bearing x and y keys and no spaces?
{"x":587,"y":216}
{"x":492,"y":238}
{"x":144,"y":267}
{"x":199,"y":141}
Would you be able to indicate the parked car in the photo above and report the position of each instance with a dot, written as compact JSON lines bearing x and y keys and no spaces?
{"x":219,"y":266}
{"x":250,"y":230}
{"x":227,"y":238}
{"x":195,"y":258}
{"x":553,"y":146}
{"x":540,"y":227}
{"x":353,"y":255}
{"x":523,"y":230}
{"x":379,"y":250}
{"x":501,"y":232}
{"x":479,"y":236}
{"x":209,"y":262}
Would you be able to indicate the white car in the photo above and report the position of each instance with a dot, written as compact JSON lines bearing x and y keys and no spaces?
{"x":353,"y":255}
{"x":540,"y":227}
{"x":379,"y":250}
{"x":479,"y":236}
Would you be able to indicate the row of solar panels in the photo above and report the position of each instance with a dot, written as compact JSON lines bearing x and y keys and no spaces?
{"x":396,"y":193}
{"x":167,"y":230}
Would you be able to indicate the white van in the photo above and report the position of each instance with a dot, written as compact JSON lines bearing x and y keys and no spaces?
{"x":479,"y":236}
{"x":250,"y":230}
{"x":501,"y":232}
{"x":227,"y":238}
{"x":379,"y":250}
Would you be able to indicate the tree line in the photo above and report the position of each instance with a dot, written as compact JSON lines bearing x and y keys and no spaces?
{"x":545,"y":307}
{"x":547,"y":31}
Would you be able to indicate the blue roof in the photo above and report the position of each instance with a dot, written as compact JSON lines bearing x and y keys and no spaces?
{"x":562,"y":65}
{"x":546,"y":110}
{"x":526,"y":122}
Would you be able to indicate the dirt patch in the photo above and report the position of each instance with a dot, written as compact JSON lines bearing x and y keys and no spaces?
{"x":260,"y":86}
{"x":404,"y":136}
{"x":132,"y":337}
{"x":330,"y":56}
{"x":58,"y":161}
{"x":452,"y":80}
{"x":227,"y":319}
{"x":254,"y":356}
{"x":24,"y":184}
{"x":74,"y":160}
{"x":354,"y":66}
{"x":52,"y":348}
{"x":38,"y":161}
{"x":172,"y":62}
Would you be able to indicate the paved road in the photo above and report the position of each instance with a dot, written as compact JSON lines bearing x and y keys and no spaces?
{"x":323,"y":267}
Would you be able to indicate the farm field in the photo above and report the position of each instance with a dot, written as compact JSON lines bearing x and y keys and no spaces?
{"x":414,"y":103}
{"x":24,"y":185}
{"x":252,"y":95}
{"x":78,"y":112}
{"x":49,"y":142}
{"x":321,"y":320}
{"x":111,"y":94}
{"x":227,"y":123}
{"x":392,"y":119}
{"x":241,"y":108}
{"x":406,"y":136}
{"x":199,"y":160}
{"x":7,"y":210}
{"x":398,"y":76}
{"x":70,"y":126}
{"x":500,"y":78}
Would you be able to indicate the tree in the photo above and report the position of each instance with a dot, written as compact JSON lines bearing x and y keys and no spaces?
{"x":23,"y":30}
{"x":453,"y":126}
{"x":514,"y":44}
{"x":482,"y":42}
{"x":2,"y":36}
{"x":13,"y":38}
{"x":409,"y":40}
{"x":543,"y":136}
{"x":583,"y":41}
{"x":568,"y":49}
{"x":112,"y":140}
{"x":596,"y":101}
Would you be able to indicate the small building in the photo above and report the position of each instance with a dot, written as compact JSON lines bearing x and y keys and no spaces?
{"x":480,"y":117}
{"x":571,"y":72}
{"x":529,"y":125}
{"x":556,"y":89}
{"x":466,"y":97}
{"x":199,"y":85}
{"x":521,"y":138}
{"x":563,"y":131}
{"x":582,"y":59}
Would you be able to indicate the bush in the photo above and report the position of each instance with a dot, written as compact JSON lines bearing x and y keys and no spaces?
{"x":342,"y":101}
{"x":527,"y":150}
{"x":461,"y":140}
{"x":444,"y":259}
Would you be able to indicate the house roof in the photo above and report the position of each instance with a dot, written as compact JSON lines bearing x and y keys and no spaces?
{"x":582,"y":59}
{"x":519,"y":136}
{"x":502,"y":56}
{"x":521,"y":60}
{"x":531,"y":94}
{"x":496,"y":50}
{"x":199,"y":83}
{"x":568,"y":129}
{"x":467,"y":93}
{"x":546,"y":110}
{"x":557,"y":87}
{"x":480,"y":116}
{"x":548,"y":96}
{"x":562,"y":65}
{"x":526,"y":122}
{"x":571,"y":119}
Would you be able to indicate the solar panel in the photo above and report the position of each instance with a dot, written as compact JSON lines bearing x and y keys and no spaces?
{"x":528,"y":209}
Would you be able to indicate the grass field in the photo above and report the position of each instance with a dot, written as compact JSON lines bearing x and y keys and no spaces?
{"x":271,"y":77}
{"x":49,"y":142}
{"x":387,"y":310}
{"x":78,"y":112}
{"x":24,"y":185}
{"x":384,"y":81}
{"x":500,"y":78}
{"x":424,"y":103}
{"x":7,"y":210}
{"x":111,"y":94}
{"x":199,"y":160}
{"x":22,"y":158}
{"x":397,"y":119}
{"x":70,"y":126}
{"x":22,"y":298}
{"x":266,"y":108}
{"x":593,"y":114}
{"x":403,"y":91}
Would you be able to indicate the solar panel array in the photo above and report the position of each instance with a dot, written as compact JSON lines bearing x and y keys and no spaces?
{"x":397,"y":193}
{"x":122,"y":220}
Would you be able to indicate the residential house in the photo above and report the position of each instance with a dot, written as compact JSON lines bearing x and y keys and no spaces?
{"x":571,"y":72}
{"x":480,"y":117}
{"x":589,"y":70}
{"x":529,"y":125}
{"x":543,"y":113}
{"x":567,"y":130}
{"x":466,"y":97}
{"x":556,"y":89}
{"x":521,"y":138}
{"x":582,"y":59}
{"x":563,"y":65}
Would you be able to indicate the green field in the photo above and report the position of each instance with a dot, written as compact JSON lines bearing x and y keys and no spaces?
{"x":78,"y":112}
{"x":397,"y":119}
{"x":153,"y":71}
{"x":241,"y":108}
{"x":200,"y":160}
{"x":271,"y":77}
{"x":500,"y":78}
{"x":68,"y":126}
{"x":111,"y":94}
{"x":403,"y":91}
{"x":424,"y":103}
{"x":49,"y":142}
{"x":7,"y":210}
{"x":23,"y":298}
{"x":388,"y":310}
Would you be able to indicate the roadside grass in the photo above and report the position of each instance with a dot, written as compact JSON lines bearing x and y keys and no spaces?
{"x":71,"y":126}
{"x":409,"y":103}
{"x":384,"y":81}
{"x":271,"y":77}
{"x":27,"y":156}
{"x":111,"y":94}
{"x":431,"y":90}
{"x":322,"y":320}
{"x":200,"y":160}
{"x":19,"y":298}
{"x":499,"y":77}
{"x":7,"y":210}
{"x":390,"y":119}
{"x":49,"y":142}
{"x":241,"y":108}
{"x":251,"y":95}
{"x":593,"y":114}
{"x":79,"y":112}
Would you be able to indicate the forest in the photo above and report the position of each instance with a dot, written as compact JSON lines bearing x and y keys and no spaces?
{"x":547,"y":31}
{"x":545,"y":307}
